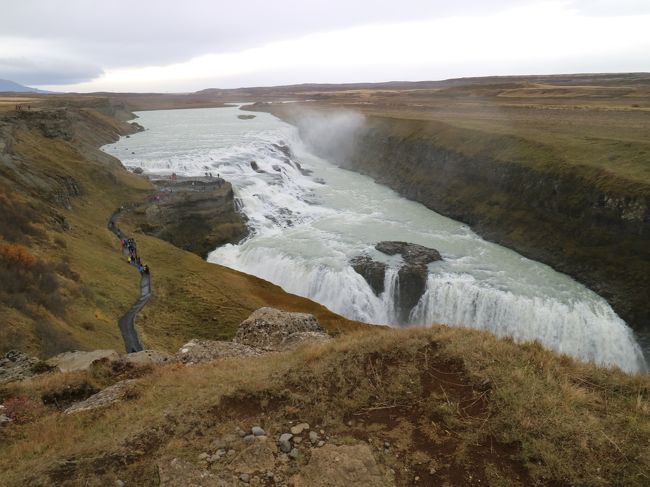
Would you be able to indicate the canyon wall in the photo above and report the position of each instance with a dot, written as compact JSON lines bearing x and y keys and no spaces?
{"x":581,"y":221}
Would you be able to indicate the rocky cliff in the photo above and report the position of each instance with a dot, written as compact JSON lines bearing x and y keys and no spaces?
{"x":197,"y":215}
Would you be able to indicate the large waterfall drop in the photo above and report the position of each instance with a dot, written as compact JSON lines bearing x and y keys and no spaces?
{"x":309,"y":218}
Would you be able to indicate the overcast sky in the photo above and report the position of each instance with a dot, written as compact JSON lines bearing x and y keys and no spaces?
{"x":164,"y":45}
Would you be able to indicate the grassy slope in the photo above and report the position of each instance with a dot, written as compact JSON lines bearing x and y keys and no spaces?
{"x":476,"y":409}
{"x":192,"y":298}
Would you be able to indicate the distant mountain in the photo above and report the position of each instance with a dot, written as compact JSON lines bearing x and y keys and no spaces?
{"x":6,"y":85}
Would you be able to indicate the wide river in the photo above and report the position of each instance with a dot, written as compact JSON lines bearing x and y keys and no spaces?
{"x":306,"y":227}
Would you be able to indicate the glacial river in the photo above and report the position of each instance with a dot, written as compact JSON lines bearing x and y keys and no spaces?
{"x":306,"y":225}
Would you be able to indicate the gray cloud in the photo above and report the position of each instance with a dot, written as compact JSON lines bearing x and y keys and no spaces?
{"x":82,"y":38}
{"x":127,"y":33}
{"x":46,"y":71}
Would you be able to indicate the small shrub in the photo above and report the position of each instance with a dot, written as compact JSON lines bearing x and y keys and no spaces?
{"x":25,"y":279}
{"x":17,"y":220}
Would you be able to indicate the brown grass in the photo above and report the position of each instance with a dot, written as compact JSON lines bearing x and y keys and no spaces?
{"x":460,"y":402}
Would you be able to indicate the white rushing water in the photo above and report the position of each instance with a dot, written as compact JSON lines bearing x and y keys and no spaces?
{"x":306,"y":227}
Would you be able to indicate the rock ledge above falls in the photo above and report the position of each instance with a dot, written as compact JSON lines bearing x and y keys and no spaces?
{"x":412,"y":275}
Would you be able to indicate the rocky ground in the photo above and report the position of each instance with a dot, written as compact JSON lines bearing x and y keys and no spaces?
{"x":284,"y":404}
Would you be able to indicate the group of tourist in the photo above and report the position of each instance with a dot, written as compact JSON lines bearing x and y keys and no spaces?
{"x":129,"y":245}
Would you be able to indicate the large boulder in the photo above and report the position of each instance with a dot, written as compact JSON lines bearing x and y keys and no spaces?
{"x":73,"y":361}
{"x":274,"y":330}
{"x":103,"y":398}
{"x":200,"y":351}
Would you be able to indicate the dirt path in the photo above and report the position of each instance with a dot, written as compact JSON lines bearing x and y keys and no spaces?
{"x":127,"y":322}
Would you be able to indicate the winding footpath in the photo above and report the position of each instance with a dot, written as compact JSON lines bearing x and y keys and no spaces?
{"x":127,"y":322}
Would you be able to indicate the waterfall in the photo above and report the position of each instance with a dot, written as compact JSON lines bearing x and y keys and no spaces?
{"x":590,"y":331}
{"x":309,"y":218}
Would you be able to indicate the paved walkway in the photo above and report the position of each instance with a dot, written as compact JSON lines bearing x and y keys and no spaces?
{"x":127,"y":322}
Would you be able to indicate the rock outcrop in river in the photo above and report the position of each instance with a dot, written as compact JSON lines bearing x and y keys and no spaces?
{"x":412,"y":275}
{"x":196,"y":215}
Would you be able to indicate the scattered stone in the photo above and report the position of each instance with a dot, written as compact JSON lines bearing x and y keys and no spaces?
{"x":294,"y":453}
{"x":5,"y":419}
{"x":203,"y":456}
{"x":341,"y":466}
{"x":297,"y":440}
{"x":299,"y":428}
{"x":258,"y":431}
{"x":285,"y":442}
{"x":103,"y":398}
{"x":16,"y":366}
{"x":231,"y":453}
{"x":386,"y":445}
{"x":200,"y":351}
{"x":275,"y":330}
{"x":313,"y":437}
{"x":245,"y":478}
{"x":74,"y":361}
{"x":119,"y":483}
{"x":241,"y":432}
{"x":248,"y":439}
{"x":320,"y":443}
{"x":262,"y":438}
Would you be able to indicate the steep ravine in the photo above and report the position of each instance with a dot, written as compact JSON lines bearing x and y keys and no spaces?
{"x":583,"y":223}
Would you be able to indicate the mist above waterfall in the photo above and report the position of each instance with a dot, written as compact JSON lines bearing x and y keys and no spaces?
{"x":330,"y":134}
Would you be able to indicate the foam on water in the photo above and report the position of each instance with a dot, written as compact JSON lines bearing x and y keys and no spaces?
{"x":306,"y":227}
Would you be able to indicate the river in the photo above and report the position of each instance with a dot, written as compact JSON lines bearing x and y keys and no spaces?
{"x":308,"y":220}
